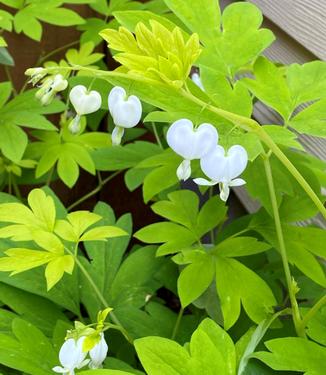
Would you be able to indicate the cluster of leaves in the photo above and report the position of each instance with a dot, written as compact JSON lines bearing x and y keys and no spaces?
{"x":225,"y":277}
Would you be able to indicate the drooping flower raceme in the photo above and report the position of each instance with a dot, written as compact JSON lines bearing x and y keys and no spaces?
{"x":84,"y":102}
{"x":50,"y":87}
{"x":190,"y":143}
{"x":224,"y":168}
{"x":126,"y":112}
{"x":98,"y":353}
{"x":71,"y":357}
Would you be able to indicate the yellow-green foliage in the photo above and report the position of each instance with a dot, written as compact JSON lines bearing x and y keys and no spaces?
{"x":155,"y":52}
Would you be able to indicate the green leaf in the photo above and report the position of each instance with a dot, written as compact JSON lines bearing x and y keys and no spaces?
{"x":27,"y":350}
{"x":5,"y":92}
{"x":13,"y":142}
{"x":5,"y":57}
{"x":102,"y":233}
{"x":43,"y":208}
{"x":182,"y":208}
{"x":271,"y":88}
{"x":240,"y":246}
{"x":294,"y":354}
{"x":175,"y":237}
{"x":105,"y":372}
{"x":37,"y":310}
{"x":234,"y":283}
{"x":316,"y":327}
{"x":192,"y":15}
{"x":211,"y":351}
{"x":193,"y":282}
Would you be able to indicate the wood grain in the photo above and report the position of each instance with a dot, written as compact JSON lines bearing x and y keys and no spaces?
{"x":303,"y":20}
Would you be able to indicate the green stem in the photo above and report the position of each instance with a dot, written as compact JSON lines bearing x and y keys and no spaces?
{"x":9,"y":77}
{"x":16,"y":188}
{"x":157,"y":137}
{"x":311,"y":313}
{"x":244,"y":123}
{"x":94,"y":191}
{"x":177,"y":324}
{"x":279,"y":232}
{"x":100,"y":296}
{"x":57,"y":50}
{"x":50,"y":175}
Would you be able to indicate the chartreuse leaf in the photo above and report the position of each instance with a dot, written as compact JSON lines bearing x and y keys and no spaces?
{"x":155,"y":52}
{"x":211,"y":351}
{"x":74,"y":228}
{"x":188,"y":225}
{"x":294,"y":354}
{"x":85,"y":56}
{"x":27,"y":349}
{"x":28,"y":222}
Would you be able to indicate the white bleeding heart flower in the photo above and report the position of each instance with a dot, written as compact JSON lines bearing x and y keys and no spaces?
{"x":190,"y":143}
{"x":71,"y":357}
{"x":36,"y":74}
{"x":98,"y":353}
{"x":195,"y":77}
{"x":125,"y":111}
{"x":224,"y":168}
{"x":84,"y":102}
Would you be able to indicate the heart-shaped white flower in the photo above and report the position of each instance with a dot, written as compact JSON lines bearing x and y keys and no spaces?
{"x":98,"y":353}
{"x":126,"y":111}
{"x":223,"y":168}
{"x":83,"y":101}
{"x":190,"y":143}
{"x":71,"y":357}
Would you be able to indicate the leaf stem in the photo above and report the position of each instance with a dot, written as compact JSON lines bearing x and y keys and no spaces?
{"x":177,"y":324}
{"x":311,"y":313}
{"x":94,"y":191}
{"x":100,"y":296}
{"x":279,"y":232}
{"x":157,"y":137}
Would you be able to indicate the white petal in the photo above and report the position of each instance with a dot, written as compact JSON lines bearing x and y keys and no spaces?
{"x":214,"y":164}
{"x":126,"y":111}
{"x":74,"y":126}
{"x":59,"y":83}
{"x":83,"y":101}
{"x":197,"y":80}
{"x":237,"y":182}
{"x":184,"y":170}
{"x":237,"y":161}
{"x":116,"y":94}
{"x":204,"y":182}
{"x":191,"y":143}
{"x":71,"y":354}
{"x":205,"y":140}
{"x":224,"y":192}
{"x":98,"y":353}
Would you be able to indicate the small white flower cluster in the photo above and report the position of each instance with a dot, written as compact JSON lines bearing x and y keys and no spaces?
{"x":49,"y":87}
{"x":125,"y":111}
{"x":219,"y":166}
{"x":72,"y":356}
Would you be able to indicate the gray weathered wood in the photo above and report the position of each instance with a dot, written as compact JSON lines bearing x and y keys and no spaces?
{"x":303,"y":20}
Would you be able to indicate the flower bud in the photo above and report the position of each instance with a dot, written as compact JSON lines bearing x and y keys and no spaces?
{"x":83,"y":101}
{"x":126,"y":111}
{"x":36,"y":74}
{"x":195,"y":77}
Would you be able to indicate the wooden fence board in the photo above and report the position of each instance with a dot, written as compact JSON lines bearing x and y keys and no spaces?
{"x":304,"y":20}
